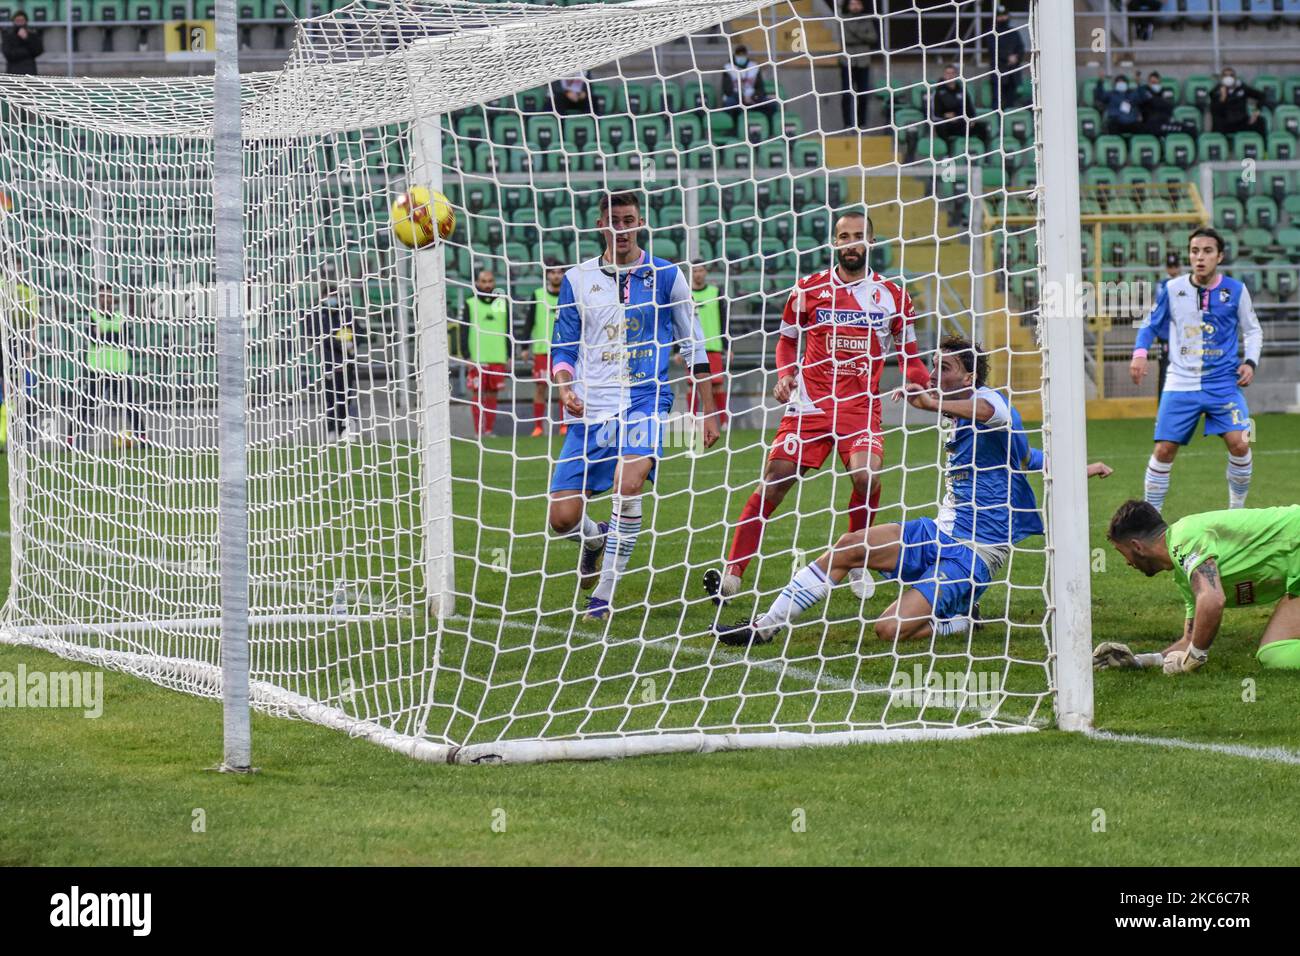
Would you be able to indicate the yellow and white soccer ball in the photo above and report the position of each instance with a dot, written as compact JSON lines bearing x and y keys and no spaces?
{"x":422,"y":217}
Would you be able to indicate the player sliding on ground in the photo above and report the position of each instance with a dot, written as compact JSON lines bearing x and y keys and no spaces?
{"x":947,"y":561}
{"x":852,"y":320}
{"x":619,"y":315}
{"x":1233,"y":558}
{"x":1200,"y":315}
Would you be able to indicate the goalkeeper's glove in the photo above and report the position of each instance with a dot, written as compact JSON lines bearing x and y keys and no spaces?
{"x":1112,"y":655}
{"x":1184,"y":662}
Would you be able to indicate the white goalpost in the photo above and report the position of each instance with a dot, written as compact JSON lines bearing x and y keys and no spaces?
{"x":255,"y":455}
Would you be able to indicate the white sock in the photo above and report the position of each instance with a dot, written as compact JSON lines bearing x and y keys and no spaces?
{"x":584,"y":532}
{"x":624,"y":526}
{"x":807,"y":588}
{"x":1153,"y":659}
{"x":954,"y":625}
{"x":1157,"y":482}
{"x":1239,"y":470}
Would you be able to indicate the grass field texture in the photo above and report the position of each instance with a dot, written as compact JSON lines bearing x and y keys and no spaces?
{"x":124,"y":788}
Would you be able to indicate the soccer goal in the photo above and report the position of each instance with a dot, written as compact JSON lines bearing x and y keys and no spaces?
{"x":402,"y":581}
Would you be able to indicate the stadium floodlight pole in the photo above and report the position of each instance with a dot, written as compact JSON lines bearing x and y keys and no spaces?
{"x":1065,"y":482}
{"x":232,"y":513}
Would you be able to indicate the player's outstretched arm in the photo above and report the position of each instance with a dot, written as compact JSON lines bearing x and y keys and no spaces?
{"x":1210,"y":601}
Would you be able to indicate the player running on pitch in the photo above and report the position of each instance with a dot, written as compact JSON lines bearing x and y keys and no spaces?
{"x":852,"y":320}
{"x":1200,"y":315}
{"x":1232,"y":558}
{"x":950,"y":560}
{"x":619,"y":316}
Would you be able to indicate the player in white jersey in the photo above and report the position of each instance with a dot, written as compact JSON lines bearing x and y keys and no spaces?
{"x":1200,"y":316}
{"x":618,"y":318}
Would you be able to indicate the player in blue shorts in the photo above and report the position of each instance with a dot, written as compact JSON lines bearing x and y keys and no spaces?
{"x":947,"y":561}
{"x":619,"y":316}
{"x":1200,"y":316}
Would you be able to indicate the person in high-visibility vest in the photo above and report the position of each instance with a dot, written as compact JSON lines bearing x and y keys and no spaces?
{"x":19,"y":300}
{"x":336,"y":329}
{"x":545,"y":301}
{"x":711,"y":307}
{"x":486,"y":340}
{"x":109,"y":366}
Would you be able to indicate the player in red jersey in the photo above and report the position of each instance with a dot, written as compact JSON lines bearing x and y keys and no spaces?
{"x":853,"y":320}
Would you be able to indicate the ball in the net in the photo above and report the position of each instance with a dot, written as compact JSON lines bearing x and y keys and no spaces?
{"x":422,"y":217}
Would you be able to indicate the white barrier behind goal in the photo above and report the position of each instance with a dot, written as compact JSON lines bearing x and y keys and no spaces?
{"x":402,"y":582}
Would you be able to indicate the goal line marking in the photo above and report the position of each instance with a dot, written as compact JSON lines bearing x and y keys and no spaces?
{"x":1267,"y":754}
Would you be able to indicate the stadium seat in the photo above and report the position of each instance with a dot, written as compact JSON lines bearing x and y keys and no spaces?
{"x":1149,"y":247}
{"x":1117,"y":248}
{"x":1290,"y":11}
{"x":1228,"y":213}
{"x":1275,"y":183}
{"x":1145,"y":151}
{"x":1280,"y":283}
{"x":1286,"y":119}
{"x":807,"y":154}
{"x":1180,"y":150}
{"x":1089,"y":123}
{"x":1196,"y":88}
{"x":1189,"y":114}
{"x":508,"y":130}
{"x":1261,"y":212}
{"x":1247,"y":146}
{"x":1135,"y":176}
{"x":1281,"y":146}
{"x":1085,"y":153}
{"x":607,"y":98}
{"x":1256,"y":244}
{"x":1213,"y":148}
{"x":1169,"y":175}
{"x":1231,"y":11}
{"x":1100,"y":176}
{"x":1289,"y":241}
{"x":1112,"y":151}
{"x":1268,"y":84}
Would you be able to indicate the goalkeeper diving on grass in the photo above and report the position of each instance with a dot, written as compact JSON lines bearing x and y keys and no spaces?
{"x":948,"y":561}
{"x":1219,"y":559}
{"x":619,"y":316}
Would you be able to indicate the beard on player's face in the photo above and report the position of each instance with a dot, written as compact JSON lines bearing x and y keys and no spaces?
{"x":851,"y":258}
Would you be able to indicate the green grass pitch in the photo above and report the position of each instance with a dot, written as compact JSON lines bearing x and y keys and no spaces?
{"x":128,"y":787}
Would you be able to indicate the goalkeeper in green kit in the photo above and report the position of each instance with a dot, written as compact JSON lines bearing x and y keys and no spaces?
{"x":1220,"y":559}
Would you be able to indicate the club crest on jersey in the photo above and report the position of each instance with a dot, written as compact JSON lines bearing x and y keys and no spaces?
{"x":1224,"y":295}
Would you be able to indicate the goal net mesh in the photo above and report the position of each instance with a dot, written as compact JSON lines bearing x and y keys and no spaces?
{"x":404,"y":582}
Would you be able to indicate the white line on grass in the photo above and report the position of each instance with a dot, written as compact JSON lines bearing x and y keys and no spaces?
{"x":1269,"y":754}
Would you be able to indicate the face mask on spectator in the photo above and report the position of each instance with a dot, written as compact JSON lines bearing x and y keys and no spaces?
{"x":742,"y":61}
{"x":331,"y":301}
{"x":1121,"y":87}
{"x":1155,"y":87}
{"x":1229,"y":79}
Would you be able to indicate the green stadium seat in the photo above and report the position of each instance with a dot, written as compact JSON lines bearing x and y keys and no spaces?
{"x":1231,"y":182}
{"x":471,"y":125}
{"x":1189,"y":114}
{"x":543,"y":131}
{"x":1149,"y":247}
{"x":1286,"y":119}
{"x":1180,"y":150}
{"x":1275,"y":183}
{"x":699,"y":95}
{"x":508,"y":130}
{"x":580,"y":133}
{"x":1288,"y":239}
{"x":1256,"y":244}
{"x":1089,"y":123}
{"x":1088,"y":249}
{"x":1271,"y":87}
{"x":665,"y":96}
{"x":1112,"y":151}
{"x":1144,"y":151}
{"x":1280,"y":283}
{"x":757,"y":127}
{"x":1247,"y":146}
{"x":1261,"y":212}
{"x":616,"y":134}
{"x":1169,"y":175}
{"x":1213,"y":148}
{"x":1228,"y":213}
{"x":1117,"y":248}
{"x":1085,"y":153}
{"x":1281,"y":146}
{"x":607,"y":98}
{"x":1291,"y":206}
{"x":1252,"y":279}
{"x":1100,"y":176}
{"x":636,"y":98}
{"x":1135,"y":176}
{"x":1196,"y":90}
{"x":722,"y":125}
{"x":931,"y":149}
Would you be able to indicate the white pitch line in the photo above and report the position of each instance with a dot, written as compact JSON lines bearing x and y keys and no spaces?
{"x":1267,"y":754}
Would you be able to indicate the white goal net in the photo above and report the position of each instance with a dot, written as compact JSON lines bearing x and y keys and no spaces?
{"x":406,"y":580}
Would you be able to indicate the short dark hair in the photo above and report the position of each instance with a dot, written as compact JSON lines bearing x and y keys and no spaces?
{"x":552,"y":263}
{"x":741,"y":49}
{"x":19,"y":13}
{"x":626,"y":198}
{"x":1135,"y":519}
{"x":971,"y":355}
{"x":1208,"y":233}
{"x":859,"y":214}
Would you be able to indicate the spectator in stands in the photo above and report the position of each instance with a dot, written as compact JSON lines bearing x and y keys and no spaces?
{"x":108,"y":379}
{"x":333,"y":329}
{"x":1006,"y":48}
{"x":572,"y":94}
{"x":951,"y":110}
{"x":711,"y":309}
{"x":1229,"y":109}
{"x":486,"y":340}
{"x":22,"y":45}
{"x":1143,"y":27}
{"x":1119,"y":105}
{"x":1157,"y":106}
{"x":861,"y":40}
{"x":743,"y":86}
